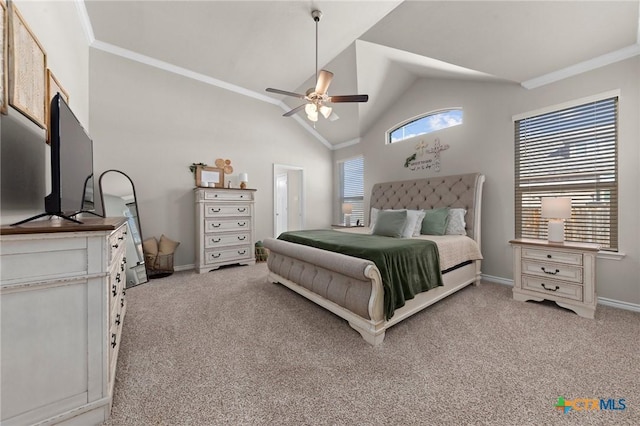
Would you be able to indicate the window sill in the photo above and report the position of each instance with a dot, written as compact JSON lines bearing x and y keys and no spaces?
{"x":611,"y":255}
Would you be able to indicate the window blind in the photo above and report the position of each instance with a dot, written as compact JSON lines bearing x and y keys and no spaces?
{"x":352,"y":188}
{"x":571,"y":153}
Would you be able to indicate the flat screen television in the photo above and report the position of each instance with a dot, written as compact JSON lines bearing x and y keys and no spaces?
{"x":71,"y":163}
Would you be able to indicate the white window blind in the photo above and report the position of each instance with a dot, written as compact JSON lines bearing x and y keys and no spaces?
{"x":572,"y":153}
{"x":352,"y":188}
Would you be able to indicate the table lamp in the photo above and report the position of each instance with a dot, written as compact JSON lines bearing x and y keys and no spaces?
{"x":243,"y":178}
{"x":347,"y":209}
{"x":556,"y":209}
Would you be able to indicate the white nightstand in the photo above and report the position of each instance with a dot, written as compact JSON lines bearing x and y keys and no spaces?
{"x":562,"y":272}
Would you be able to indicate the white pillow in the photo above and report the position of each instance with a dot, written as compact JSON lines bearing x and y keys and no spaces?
{"x":456,"y":225}
{"x":412,"y":226}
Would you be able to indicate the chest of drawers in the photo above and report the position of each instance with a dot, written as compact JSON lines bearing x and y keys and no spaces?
{"x":564,"y":273}
{"x":224,"y":227}
{"x":63,"y":305}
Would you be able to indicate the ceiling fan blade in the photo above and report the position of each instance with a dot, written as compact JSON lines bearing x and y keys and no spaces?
{"x":293,"y":111}
{"x":348,"y":98}
{"x":324,"y":80}
{"x":284,"y":92}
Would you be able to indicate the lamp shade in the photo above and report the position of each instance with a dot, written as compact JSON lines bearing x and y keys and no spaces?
{"x":556,"y":207}
{"x":347,"y":208}
{"x":243,"y":177}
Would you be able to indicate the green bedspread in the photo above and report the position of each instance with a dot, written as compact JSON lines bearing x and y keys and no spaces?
{"x":407,"y":266}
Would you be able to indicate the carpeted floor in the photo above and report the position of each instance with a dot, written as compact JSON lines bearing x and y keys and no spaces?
{"x":230,"y":348}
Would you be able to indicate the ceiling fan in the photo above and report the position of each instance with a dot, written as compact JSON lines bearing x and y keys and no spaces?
{"x":317,"y":97}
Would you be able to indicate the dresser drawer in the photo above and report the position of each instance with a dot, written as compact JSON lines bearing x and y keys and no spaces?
{"x":215,"y":256}
{"x":552,"y":289}
{"x":213,"y":225}
{"x":552,"y":270}
{"x":229,"y":195}
{"x":216,"y":210}
{"x":222,"y":240}
{"x":117,"y":243}
{"x":570,"y":258}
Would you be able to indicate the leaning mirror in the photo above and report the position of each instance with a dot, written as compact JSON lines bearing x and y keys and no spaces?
{"x":118,"y":196}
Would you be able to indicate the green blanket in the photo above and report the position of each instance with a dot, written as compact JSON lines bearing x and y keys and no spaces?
{"x":407,"y":266}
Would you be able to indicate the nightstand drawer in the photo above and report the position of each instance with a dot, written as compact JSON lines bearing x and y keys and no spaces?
{"x":552,"y":289}
{"x":570,"y":258}
{"x":552,"y":270}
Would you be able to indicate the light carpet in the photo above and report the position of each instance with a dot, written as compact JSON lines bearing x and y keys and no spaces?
{"x":230,"y":348}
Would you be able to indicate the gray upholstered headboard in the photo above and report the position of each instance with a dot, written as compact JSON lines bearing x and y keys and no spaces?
{"x":443,"y":191}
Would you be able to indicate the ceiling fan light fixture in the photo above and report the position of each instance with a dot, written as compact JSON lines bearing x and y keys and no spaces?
{"x":311,"y":109}
{"x":313,"y":116}
{"x":325,"y":111}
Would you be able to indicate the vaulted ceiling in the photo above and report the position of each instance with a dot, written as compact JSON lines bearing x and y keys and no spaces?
{"x":373,"y":47}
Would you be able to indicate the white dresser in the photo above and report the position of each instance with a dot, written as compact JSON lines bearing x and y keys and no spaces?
{"x":224,"y":227}
{"x":564,"y":273}
{"x":63,"y":304}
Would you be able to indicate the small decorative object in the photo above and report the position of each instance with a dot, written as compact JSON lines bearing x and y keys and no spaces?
{"x":244,"y":178}
{"x":211,"y":175}
{"x":556,"y":209}
{"x":347,"y":209}
{"x":225,"y":165}
{"x":262,"y":253}
{"x":194,"y":166}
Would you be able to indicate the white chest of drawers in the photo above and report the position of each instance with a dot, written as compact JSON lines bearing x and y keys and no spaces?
{"x":224,"y":227}
{"x":63,"y":305}
{"x":564,"y":273}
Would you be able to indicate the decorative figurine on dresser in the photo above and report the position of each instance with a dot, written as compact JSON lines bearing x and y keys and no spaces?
{"x":563,"y":272}
{"x":224,"y":227}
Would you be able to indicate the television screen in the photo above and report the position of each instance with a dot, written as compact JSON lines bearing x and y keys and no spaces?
{"x":71,"y":163}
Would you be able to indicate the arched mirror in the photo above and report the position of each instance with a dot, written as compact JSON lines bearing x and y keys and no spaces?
{"x":118,"y":196}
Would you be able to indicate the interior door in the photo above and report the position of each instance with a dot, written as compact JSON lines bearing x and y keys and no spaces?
{"x":288,"y":189}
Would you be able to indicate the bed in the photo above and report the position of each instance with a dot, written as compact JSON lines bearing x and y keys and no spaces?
{"x":353,"y":288}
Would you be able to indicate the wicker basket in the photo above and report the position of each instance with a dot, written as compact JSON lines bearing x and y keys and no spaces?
{"x":159,"y":266}
{"x":262,"y":254}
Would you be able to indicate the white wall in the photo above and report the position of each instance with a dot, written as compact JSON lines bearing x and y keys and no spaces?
{"x":25,"y":170}
{"x":152,"y":124}
{"x":485,"y":143}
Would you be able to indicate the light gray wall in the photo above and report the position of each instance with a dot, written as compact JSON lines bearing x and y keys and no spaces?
{"x":25,"y":172}
{"x":152,"y":124}
{"x":485,"y":143}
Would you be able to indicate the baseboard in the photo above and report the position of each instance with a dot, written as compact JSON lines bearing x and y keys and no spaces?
{"x":184,"y":267}
{"x":601,"y":300}
{"x":619,"y":304}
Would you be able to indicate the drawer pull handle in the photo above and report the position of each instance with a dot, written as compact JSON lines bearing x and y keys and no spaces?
{"x":123,"y":292}
{"x":124,"y":259}
{"x":215,"y":210}
{"x":122,"y":266}
{"x":242,"y":210}
{"x":113,"y":340}
{"x":242,"y":223}
{"x":216,"y":240}
{"x":121,"y":238}
{"x":114,"y":290}
{"x":118,"y":277}
{"x":216,"y":255}
{"x":549,"y":272}
{"x":242,"y":238}
{"x":117,"y":319}
{"x":215,"y":195}
{"x":242,"y":252}
{"x":550,"y":289}
{"x":215,"y":225}
{"x":115,"y":245}
{"x":548,"y":256}
{"x":122,"y":302}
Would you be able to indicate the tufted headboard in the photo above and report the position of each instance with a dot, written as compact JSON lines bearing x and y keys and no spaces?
{"x":463,"y":191}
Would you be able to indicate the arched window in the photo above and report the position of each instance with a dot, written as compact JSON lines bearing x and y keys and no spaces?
{"x":423,"y":124}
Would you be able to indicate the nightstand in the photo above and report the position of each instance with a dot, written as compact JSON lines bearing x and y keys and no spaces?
{"x":562,"y":272}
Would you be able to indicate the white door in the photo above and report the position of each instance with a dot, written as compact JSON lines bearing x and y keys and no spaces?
{"x":282,"y":215}
{"x":288,"y":198}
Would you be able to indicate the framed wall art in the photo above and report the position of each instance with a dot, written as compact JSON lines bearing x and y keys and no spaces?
{"x":53,"y":87}
{"x":27,"y":70}
{"x":210,"y":176}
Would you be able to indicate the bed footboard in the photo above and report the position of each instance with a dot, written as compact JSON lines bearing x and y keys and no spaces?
{"x":347,"y":286}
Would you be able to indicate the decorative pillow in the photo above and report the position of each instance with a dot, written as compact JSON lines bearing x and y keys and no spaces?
{"x":414,"y":223}
{"x":390,"y":223}
{"x":373,"y":217}
{"x":435,"y":221}
{"x":150,"y":246}
{"x":167,"y":246}
{"x":456,"y":225}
